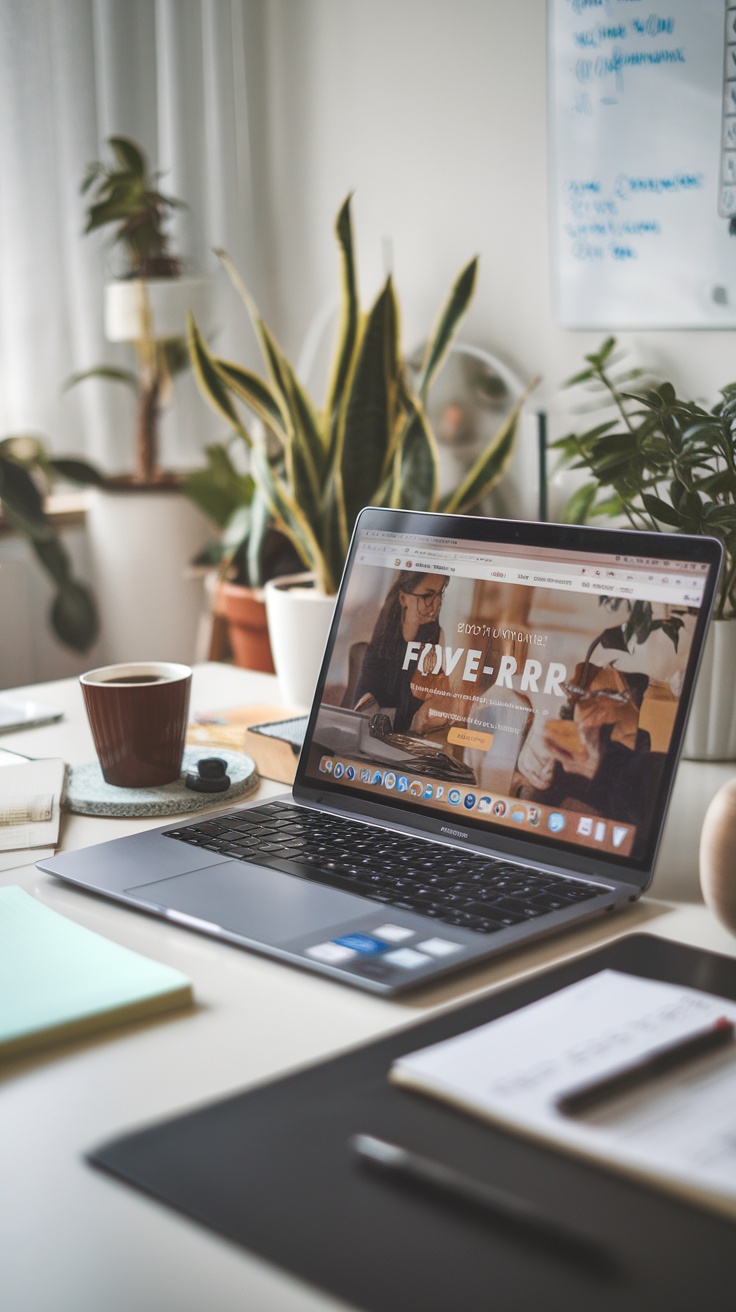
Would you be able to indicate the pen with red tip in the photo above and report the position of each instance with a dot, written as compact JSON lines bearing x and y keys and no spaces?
{"x":657,"y":1061}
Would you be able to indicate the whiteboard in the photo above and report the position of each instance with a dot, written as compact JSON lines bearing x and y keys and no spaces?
{"x":642,"y":113}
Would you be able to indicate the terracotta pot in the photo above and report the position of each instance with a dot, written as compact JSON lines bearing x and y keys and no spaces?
{"x":244,"y":611}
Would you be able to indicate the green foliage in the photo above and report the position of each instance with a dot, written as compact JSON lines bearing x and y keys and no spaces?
{"x":125,"y":194}
{"x":371,"y":444}
{"x":661,"y":462}
{"x":26,"y":468}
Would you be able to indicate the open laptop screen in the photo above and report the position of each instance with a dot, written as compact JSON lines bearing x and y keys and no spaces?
{"x":526,"y":680}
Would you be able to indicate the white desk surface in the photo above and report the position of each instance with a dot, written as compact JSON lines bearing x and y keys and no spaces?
{"x":74,"y":1240}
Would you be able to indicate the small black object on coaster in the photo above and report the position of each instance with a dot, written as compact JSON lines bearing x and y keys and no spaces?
{"x":211,"y":776}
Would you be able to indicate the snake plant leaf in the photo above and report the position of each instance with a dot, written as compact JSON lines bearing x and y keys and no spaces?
{"x":447,"y":323}
{"x":307,"y":438}
{"x":273,"y":356}
{"x":260,"y":521}
{"x":364,"y":441}
{"x":490,"y":466}
{"x":210,"y":380}
{"x":417,"y":461}
{"x":290,"y":518}
{"x":347,"y":340}
{"x":75,"y":471}
{"x":334,"y":536}
{"x":256,"y":394}
{"x":74,"y":615}
{"x":107,"y":371}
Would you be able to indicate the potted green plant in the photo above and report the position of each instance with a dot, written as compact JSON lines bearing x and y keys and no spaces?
{"x":241,"y":558}
{"x":27,"y":471}
{"x":662,"y":462}
{"x":369,"y":444}
{"x":145,"y":306}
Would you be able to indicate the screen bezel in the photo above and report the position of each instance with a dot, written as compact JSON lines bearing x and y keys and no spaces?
{"x":482,"y":833}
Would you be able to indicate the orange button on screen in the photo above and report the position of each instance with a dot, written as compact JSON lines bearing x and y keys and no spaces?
{"x":469,"y":738}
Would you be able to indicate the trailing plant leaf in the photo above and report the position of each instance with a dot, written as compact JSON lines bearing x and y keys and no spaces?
{"x":219,"y":489}
{"x":75,"y":471}
{"x":107,"y":371}
{"x":73,"y":613}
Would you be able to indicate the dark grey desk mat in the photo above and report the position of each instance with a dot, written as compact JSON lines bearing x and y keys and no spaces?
{"x":269,"y":1169}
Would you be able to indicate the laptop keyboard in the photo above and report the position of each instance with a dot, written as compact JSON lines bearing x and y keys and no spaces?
{"x":446,"y":884}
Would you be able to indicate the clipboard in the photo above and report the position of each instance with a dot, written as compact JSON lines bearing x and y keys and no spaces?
{"x":270,"y":1170}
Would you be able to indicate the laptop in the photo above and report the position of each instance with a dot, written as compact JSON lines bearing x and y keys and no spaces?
{"x":488,"y":758}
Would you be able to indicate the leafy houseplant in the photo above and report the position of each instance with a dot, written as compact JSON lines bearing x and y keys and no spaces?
{"x":26,"y":470}
{"x":314,"y":469}
{"x":125,"y":196}
{"x":661,"y":462}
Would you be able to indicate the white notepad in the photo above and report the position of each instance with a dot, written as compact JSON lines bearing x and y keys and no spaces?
{"x":59,"y":980}
{"x":675,"y":1130}
{"x":30,"y":805}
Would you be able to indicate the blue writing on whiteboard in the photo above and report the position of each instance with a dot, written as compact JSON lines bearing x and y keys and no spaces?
{"x":626,"y":186}
{"x":620,"y":59}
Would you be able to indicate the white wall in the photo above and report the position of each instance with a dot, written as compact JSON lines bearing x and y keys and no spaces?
{"x":434,"y":113}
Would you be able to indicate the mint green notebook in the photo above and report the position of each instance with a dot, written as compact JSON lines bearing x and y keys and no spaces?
{"x":59,"y":980}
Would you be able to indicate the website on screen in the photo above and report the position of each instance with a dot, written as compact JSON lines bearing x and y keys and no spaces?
{"x":528,"y":689}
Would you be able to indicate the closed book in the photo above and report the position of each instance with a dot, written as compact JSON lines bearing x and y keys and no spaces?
{"x":59,"y":980}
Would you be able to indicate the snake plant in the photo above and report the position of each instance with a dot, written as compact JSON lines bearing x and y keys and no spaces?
{"x":371,"y":443}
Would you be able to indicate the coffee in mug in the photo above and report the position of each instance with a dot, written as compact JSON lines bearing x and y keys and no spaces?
{"x":138,"y":715}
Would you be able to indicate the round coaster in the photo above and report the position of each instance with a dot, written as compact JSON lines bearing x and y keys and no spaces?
{"x":87,"y":793}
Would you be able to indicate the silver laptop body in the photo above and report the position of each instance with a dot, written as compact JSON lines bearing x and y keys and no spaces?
{"x":489,"y":755}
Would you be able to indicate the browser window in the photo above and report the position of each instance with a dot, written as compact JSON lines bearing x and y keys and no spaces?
{"x":531,"y":690}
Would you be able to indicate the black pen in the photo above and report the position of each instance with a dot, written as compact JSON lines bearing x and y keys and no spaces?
{"x":452,"y":1185}
{"x":657,"y":1061}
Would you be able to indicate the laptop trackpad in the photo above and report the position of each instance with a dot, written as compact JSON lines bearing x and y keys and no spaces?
{"x":259,"y":904}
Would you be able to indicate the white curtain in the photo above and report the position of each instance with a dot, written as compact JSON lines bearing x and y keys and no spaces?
{"x":171,"y":74}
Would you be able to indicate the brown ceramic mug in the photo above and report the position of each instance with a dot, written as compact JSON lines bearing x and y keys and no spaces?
{"x":138,"y":714}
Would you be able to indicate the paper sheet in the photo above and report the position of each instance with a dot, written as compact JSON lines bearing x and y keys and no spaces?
{"x":677,"y":1129}
{"x":30,"y":797}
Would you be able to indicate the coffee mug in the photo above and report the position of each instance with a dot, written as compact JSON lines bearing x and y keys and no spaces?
{"x":138,"y":716}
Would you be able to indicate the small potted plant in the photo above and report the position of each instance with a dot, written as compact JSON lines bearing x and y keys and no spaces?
{"x":145,"y":306}
{"x":247,"y":552}
{"x":27,"y":471}
{"x":369,"y":444}
{"x":662,"y":462}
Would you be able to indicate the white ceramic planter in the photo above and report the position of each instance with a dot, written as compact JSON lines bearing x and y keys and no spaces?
{"x":299,"y":619}
{"x":141,"y":543}
{"x":168,"y":300}
{"x":711,"y":730}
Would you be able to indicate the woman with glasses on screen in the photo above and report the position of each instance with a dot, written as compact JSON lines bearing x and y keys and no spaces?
{"x":410,"y":613}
